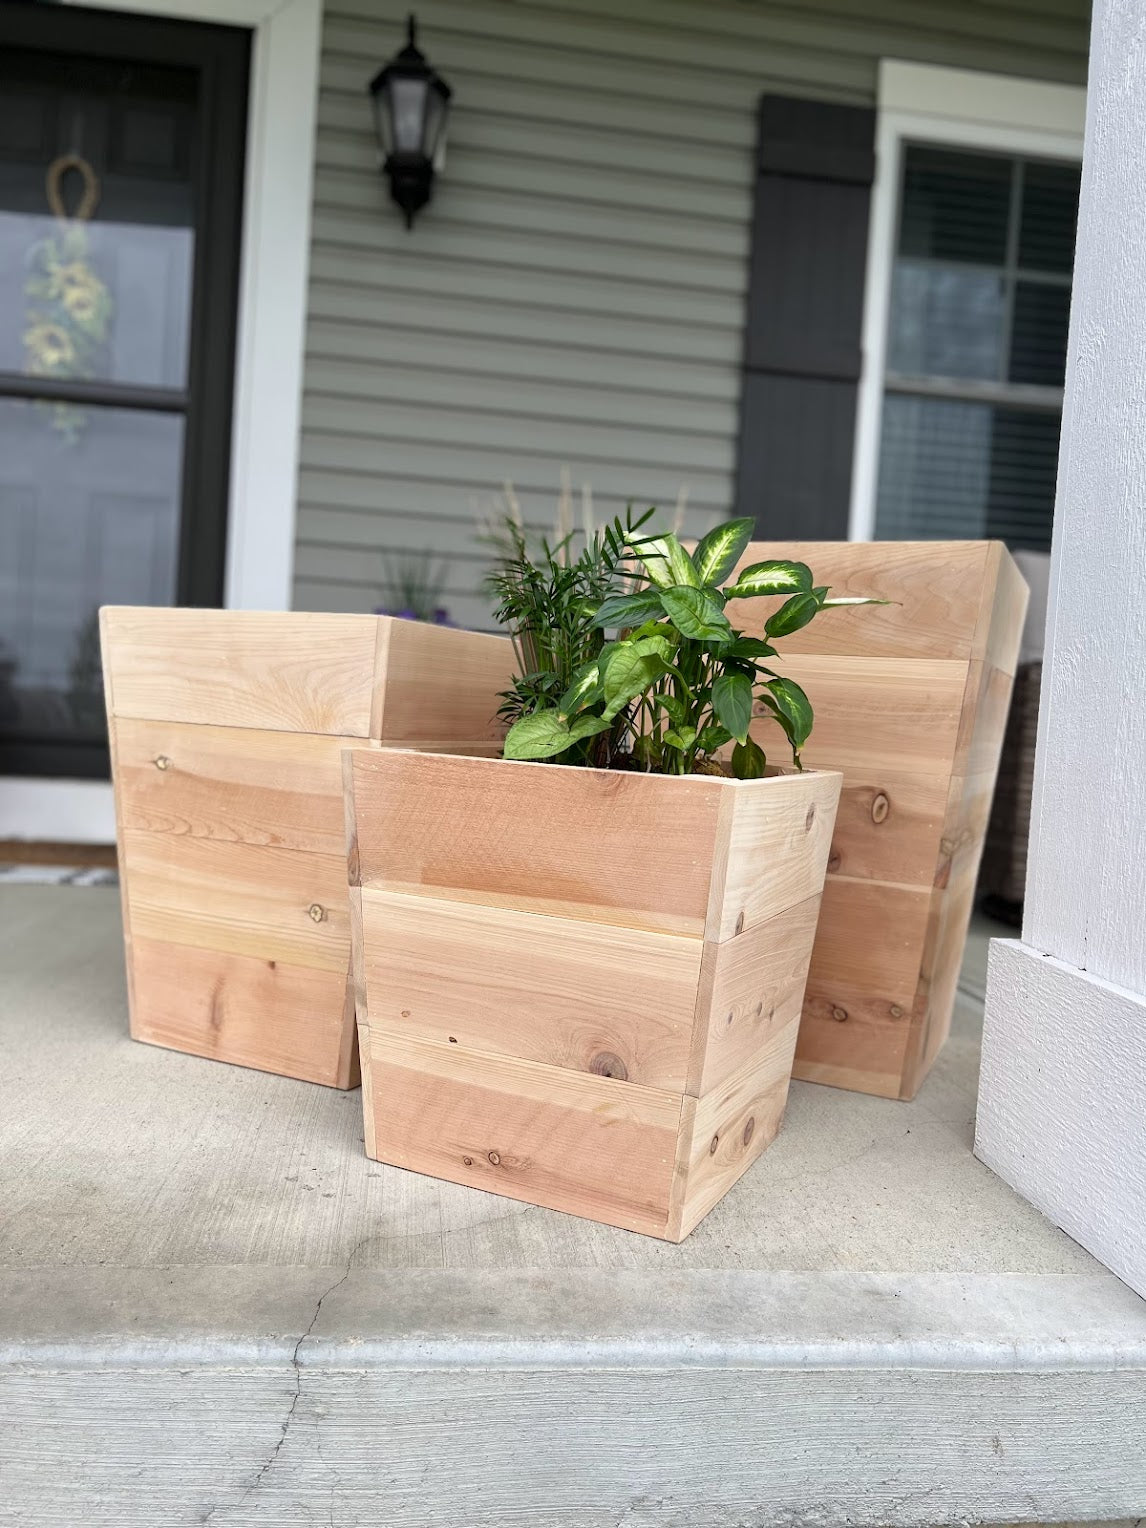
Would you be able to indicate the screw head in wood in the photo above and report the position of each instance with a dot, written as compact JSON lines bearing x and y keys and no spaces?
{"x":162,"y":762}
{"x":316,"y":912}
{"x":839,"y":1014}
{"x":896,"y":1011}
{"x":467,"y":1161}
{"x":712,"y":1145}
{"x":880,"y":807}
{"x":494,"y":1157}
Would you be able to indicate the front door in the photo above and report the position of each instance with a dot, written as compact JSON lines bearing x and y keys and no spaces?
{"x":121,"y":165}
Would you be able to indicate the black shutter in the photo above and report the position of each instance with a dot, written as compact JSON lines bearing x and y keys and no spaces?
{"x":814,"y":169}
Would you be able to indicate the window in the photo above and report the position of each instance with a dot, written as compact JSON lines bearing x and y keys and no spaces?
{"x":976,"y":346}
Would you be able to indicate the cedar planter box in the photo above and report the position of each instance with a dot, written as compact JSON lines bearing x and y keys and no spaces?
{"x":911,"y":702}
{"x":226,"y":732}
{"x":576,"y":987}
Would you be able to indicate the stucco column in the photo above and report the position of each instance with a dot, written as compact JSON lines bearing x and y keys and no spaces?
{"x":1062,"y":1103}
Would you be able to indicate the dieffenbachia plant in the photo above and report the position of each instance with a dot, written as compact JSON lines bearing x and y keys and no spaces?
{"x":679,"y":683}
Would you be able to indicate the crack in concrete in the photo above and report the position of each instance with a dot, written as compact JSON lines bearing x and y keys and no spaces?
{"x":265,"y":1468}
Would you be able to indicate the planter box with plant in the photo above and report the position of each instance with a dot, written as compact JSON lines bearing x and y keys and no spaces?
{"x":581,"y":986}
{"x":911,"y":704}
{"x":226,"y":732}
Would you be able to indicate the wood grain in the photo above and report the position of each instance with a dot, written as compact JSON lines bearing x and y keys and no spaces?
{"x":586,"y":997}
{"x":234,"y":784}
{"x":463,"y":677}
{"x":567,"y":1140}
{"x":733,"y":1124}
{"x":751,"y":987}
{"x":607,"y":846}
{"x":218,"y":1005}
{"x":286,"y":671}
{"x":911,"y":703}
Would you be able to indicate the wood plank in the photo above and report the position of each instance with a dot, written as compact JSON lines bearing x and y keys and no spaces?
{"x":570,"y":1141}
{"x":243,"y":1009}
{"x":937,"y":588}
{"x":874,"y":714}
{"x":232,"y":784}
{"x":889,"y":827}
{"x":1000,"y":632}
{"x":733,"y":1124}
{"x":243,"y":899}
{"x":983,"y":720}
{"x":608,"y":846}
{"x":781,"y":833}
{"x":561,"y":991}
{"x":288,"y":671}
{"x":869,"y":942}
{"x":438,"y":685}
{"x":751,"y":987}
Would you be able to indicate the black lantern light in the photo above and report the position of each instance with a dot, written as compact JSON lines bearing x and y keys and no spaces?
{"x":411,"y":102}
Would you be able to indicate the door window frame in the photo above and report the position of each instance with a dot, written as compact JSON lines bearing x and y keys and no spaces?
{"x":948,"y":108}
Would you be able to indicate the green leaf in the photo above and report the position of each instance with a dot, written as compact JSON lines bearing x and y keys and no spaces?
{"x":795,"y":708}
{"x":696,"y":613}
{"x":629,"y":609}
{"x":712,"y":737}
{"x":666,"y":561}
{"x":681,"y":737}
{"x":772,"y":577}
{"x":674,"y":709}
{"x":792,"y":614}
{"x":538,"y":736}
{"x":748,"y":647}
{"x":588,"y":726}
{"x":732,"y":703}
{"x":748,"y":761}
{"x":630,"y":673}
{"x":583,"y":691}
{"x":718,"y":553}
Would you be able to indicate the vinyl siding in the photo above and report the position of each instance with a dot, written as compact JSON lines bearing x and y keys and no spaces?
{"x":575,"y":294}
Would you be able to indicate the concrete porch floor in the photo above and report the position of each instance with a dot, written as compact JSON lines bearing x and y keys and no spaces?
{"x":214,"y":1309}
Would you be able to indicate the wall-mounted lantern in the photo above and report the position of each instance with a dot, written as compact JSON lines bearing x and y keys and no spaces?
{"x":411,"y":102}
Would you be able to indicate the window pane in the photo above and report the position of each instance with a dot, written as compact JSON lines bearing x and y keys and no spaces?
{"x":1049,"y":215}
{"x":955,"y":470}
{"x":1038,"y":333}
{"x":955,"y":206}
{"x":103,"y":292}
{"x":89,"y":507}
{"x":946,"y":322}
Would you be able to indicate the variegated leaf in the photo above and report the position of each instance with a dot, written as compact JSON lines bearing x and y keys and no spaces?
{"x":718,"y":553}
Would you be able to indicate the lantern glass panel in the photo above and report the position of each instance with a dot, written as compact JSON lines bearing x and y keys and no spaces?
{"x":408,"y":109}
{"x":434,"y":142}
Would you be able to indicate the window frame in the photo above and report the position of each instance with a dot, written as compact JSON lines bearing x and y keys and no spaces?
{"x":941,"y":108}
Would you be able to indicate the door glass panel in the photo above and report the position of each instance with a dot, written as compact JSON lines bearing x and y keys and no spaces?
{"x":86,"y":518}
{"x":96,"y":219}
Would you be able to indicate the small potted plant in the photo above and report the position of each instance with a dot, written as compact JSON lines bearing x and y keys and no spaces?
{"x":580,"y":986}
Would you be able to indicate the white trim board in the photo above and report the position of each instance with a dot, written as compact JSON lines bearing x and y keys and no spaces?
{"x":961,"y":108}
{"x":1062,"y":1087}
{"x":285,"y":58}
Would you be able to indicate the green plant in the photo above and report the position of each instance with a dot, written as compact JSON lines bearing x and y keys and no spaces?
{"x":679,"y":682}
{"x":550,"y":603}
{"x":413,"y":586}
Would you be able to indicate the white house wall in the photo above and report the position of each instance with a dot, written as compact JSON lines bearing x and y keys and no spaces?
{"x":575,"y":294}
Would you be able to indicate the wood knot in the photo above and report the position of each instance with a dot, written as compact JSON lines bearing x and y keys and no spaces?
{"x":162,"y":762}
{"x":605,"y":1064}
{"x":835,"y":860}
{"x":880,"y":807}
{"x":712,"y":1145}
{"x":839,"y":1014}
{"x":739,"y":929}
{"x":731,"y":1016}
{"x":760,"y":1010}
{"x":316,"y":912}
{"x":749,"y":1129}
{"x":494,"y":1157}
{"x":453,"y":1039}
{"x":809,"y":819}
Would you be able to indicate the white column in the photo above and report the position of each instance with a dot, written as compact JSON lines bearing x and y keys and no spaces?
{"x":1062,"y":1102}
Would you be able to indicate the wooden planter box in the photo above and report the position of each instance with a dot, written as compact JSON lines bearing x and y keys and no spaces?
{"x":911,"y":702}
{"x":227,"y":730}
{"x":580,"y":988}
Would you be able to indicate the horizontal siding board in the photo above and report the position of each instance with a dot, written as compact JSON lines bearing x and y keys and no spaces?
{"x":575,"y":294}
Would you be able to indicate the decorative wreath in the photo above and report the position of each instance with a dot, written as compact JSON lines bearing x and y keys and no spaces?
{"x":69,"y":306}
